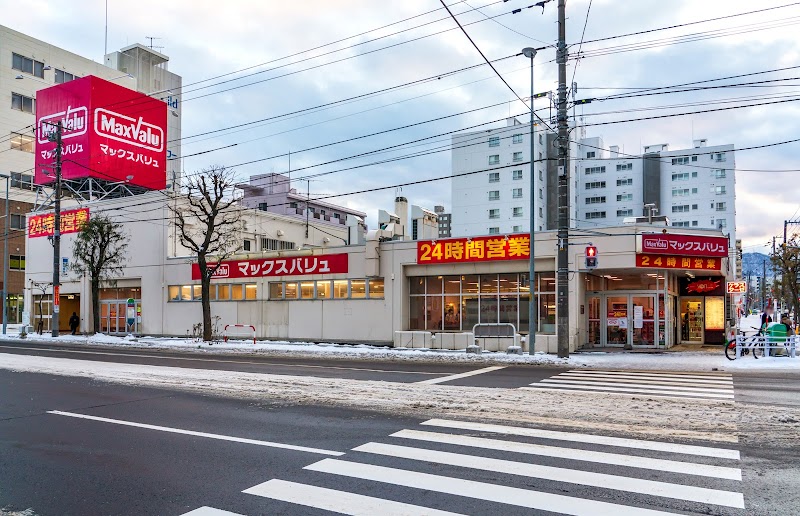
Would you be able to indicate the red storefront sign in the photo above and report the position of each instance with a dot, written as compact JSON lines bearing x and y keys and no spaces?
{"x":71,"y":222}
{"x":270,"y":267}
{"x":684,"y":245}
{"x":475,"y":249}
{"x":109,"y":132}
{"x":736,"y":287}
{"x":654,"y":261}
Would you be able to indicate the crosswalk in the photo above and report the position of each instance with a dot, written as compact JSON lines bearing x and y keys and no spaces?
{"x":650,"y":383}
{"x":448,"y":467}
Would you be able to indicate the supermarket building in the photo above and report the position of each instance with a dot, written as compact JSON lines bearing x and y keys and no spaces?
{"x":654,"y":286}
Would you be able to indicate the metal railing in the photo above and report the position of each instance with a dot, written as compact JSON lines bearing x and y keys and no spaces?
{"x":490,"y":330}
{"x":772,"y":345}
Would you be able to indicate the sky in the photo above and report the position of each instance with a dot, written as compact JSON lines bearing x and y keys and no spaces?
{"x":206,"y":39}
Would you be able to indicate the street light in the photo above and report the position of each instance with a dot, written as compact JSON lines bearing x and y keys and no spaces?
{"x":530,"y":53}
{"x":5,"y":259}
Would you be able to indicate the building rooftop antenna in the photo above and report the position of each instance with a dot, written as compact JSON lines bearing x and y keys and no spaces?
{"x":152,"y":47}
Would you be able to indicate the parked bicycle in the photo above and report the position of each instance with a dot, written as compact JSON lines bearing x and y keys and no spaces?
{"x":754,"y":344}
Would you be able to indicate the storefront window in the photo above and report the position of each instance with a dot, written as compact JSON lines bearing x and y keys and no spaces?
{"x":174,"y":293}
{"x":237,"y":292}
{"x":250,"y":291}
{"x":358,"y":289}
{"x":340,"y":289}
{"x":433,"y":285}
{"x":452,"y":285}
{"x":223,"y":292}
{"x":489,"y":298}
{"x":508,"y":283}
{"x":212,"y":292}
{"x":376,"y":288}
{"x":276,"y":290}
{"x":488,"y":284}
{"x":307,"y":290}
{"x":197,"y":291}
{"x":186,"y":293}
{"x":324,"y":289}
{"x":291,"y":290}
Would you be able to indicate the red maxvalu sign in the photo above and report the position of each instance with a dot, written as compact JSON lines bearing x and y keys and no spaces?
{"x":286,"y":266}
{"x":475,"y":249}
{"x":71,"y":222}
{"x":684,"y":245}
{"x":655,"y":261}
{"x":109,"y":132}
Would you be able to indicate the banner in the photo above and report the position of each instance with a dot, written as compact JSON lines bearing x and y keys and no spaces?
{"x":475,"y":249}
{"x":654,"y":261}
{"x":273,"y":267}
{"x":683,"y":245}
{"x":71,"y":222}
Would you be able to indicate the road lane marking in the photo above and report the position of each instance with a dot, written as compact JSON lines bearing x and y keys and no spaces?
{"x":190,"y":359}
{"x":199,"y":434}
{"x":648,"y":394}
{"x":649,"y":379}
{"x":665,"y":374}
{"x":686,"y":449}
{"x":478,"y":490}
{"x":678,"y":388}
{"x":210,"y":511}
{"x":640,"y":390}
{"x":631,"y":461}
{"x":340,"y":502}
{"x":461,"y":375}
{"x":570,"y":476}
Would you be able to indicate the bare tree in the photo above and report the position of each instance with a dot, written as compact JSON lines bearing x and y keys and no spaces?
{"x":787,"y":263}
{"x":208,"y":223}
{"x":100,"y":250}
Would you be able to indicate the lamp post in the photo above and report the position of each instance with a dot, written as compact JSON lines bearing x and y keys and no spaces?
{"x":530,"y":53}
{"x":5,"y":259}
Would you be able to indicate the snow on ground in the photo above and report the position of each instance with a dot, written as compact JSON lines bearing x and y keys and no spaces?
{"x":713,"y":360}
{"x":642,"y":416}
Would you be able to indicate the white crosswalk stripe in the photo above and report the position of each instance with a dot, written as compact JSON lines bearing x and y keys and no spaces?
{"x":605,"y":472}
{"x":715,"y":387}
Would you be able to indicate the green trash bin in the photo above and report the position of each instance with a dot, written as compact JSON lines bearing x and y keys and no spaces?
{"x":777,"y":334}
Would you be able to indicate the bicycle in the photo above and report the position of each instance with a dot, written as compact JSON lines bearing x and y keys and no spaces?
{"x":755,"y":344}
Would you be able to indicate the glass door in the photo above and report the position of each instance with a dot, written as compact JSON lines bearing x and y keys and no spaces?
{"x":594,"y":322}
{"x":642,"y":320}
{"x":692,"y":319}
{"x":617,"y":320}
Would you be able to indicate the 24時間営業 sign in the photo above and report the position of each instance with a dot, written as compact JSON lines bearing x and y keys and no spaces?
{"x":475,"y":249}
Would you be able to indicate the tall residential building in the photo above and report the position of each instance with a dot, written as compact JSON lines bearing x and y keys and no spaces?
{"x":491,"y":182}
{"x":445,"y":221}
{"x":274,"y":193}
{"x":28,"y":65}
{"x":695,"y":187}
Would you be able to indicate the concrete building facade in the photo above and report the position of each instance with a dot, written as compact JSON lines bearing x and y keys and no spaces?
{"x":28,"y":65}
{"x":491,"y":183}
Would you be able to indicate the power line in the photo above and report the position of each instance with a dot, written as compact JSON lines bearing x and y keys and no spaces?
{"x":580,"y":45}
{"x":478,"y":9}
{"x":490,"y":63}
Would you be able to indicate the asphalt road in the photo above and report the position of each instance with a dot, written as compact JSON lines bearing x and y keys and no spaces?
{"x":73,"y":446}
{"x":63,"y":464}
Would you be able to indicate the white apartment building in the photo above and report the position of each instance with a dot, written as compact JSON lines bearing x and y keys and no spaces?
{"x":694,"y":187}
{"x":28,"y":65}
{"x":491,"y":186}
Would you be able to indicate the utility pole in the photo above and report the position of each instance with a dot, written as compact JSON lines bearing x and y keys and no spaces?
{"x":57,"y":234}
{"x":308,"y":199}
{"x":5,"y":259}
{"x":562,"y":285}
{"x":532,"y":304}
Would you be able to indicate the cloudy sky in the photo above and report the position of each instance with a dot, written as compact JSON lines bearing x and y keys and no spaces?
{"x":208,"y":38}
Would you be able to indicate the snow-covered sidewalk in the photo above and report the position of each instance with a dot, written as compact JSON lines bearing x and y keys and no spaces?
{"x":666,"y":361}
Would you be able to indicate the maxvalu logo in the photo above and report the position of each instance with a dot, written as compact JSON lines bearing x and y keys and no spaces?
{"x":129,"y":130}
{"x":656,"y":244}
{"x":74,"y":122}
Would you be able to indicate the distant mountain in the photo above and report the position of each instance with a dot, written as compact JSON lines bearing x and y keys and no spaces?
{"x":752,"y":264}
